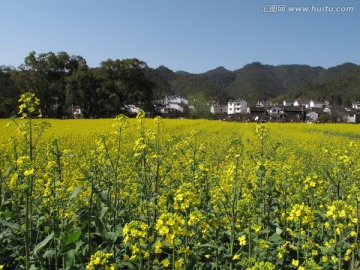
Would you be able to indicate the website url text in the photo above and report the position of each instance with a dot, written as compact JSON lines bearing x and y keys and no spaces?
{"x":306,"y":9}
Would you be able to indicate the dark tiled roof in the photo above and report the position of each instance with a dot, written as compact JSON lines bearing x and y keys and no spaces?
{"x":257,"y":109}
{"x":317,"y":110}
{"x":292,"y":109}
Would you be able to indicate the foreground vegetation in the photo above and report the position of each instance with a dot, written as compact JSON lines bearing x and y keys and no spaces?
{"x":178,"y":194}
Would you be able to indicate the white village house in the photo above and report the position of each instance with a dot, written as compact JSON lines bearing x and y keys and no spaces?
{"x":301,"y":103}
{"x":237,"y":106}
{"x":132,"y":109}
{"x":307,"y":104}
{"x":276,"y":110}
{"x":174,"y":103}
{"x":76,"y":112}
{"x":353,"y":118}
{"x":312,"y":116}
{"x":218,"y":109}
{"x":356,"y":105}
{"x":318,"y":104}
{"x":287,"y":103}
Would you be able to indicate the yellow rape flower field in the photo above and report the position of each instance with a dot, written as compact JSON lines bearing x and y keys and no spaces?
{"x":178,"y":194}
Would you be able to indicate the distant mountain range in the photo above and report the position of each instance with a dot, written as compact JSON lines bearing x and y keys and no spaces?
{"x":340,"y":85}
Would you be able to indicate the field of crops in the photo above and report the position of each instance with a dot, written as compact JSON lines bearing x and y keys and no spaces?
{"x":178,"y":194}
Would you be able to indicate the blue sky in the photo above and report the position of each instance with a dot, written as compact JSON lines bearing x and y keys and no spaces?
{"x":189,"y":35}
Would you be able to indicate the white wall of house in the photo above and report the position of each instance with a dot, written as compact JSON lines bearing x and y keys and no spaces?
{"x":301,"y":104}
{"x":276,"y":110}
{"x":174,"y":103}
{"x":237,"y":106}
{"x":214,"y":109}
{"x":175,"y":100}
{"x":175,"y":106}
{"x":76,"y":111}
{"x":132,"y":109}
{"x":356,"y":105}
{"x":312,"y":116}
{"x":317,"y":104}
{"x":353,"y":117}
{"x":287,"y":103}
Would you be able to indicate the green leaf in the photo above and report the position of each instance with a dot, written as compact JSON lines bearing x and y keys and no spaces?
{"x":7,"y":172}
{"x":10,"y":224}
{"x":8,"y":214}
{"x":276,"y":238}
{"x":74,"y":193}
{"x":49,"y":253}
{"x":210,"y":245}
{"x":104,"y":194}
{"x":78,"y":245}
{"x":71,"y":238}
{"x":100,"y":227}
{"x":112,"y":236}
{"x":70,"y":257}
{"x":43,"y":242}
{"x":103,"y":211}
{"x":278,"y":230}
{"x":128,"y":265}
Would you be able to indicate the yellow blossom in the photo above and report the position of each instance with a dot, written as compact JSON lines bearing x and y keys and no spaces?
{"x":29,"y":172}
{"x":242,"y":240}
{"x":158,"y":245}
{"x":295,"y":263}
{"x":256,"y":228}
{"x":334,"y":259}
{"x":165,"y":262}
{"x":324,"y":259}
{"x":179,"y":263}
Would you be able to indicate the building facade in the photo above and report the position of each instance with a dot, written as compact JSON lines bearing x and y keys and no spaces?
{"x":237,"y":106}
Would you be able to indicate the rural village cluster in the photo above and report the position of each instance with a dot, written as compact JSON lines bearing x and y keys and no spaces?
{"x":238,"y":110}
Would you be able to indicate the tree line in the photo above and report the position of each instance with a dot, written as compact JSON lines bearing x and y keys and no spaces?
{"x":62,"y":81}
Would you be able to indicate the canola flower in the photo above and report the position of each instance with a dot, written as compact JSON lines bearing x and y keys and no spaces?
{"x":29,"y":106}
{"x":181,"y":194}
{"x":100,"y":260}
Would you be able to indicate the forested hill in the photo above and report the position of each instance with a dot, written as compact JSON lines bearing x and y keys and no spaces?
{"x":63,"y":82}
{"x":254,"y":82}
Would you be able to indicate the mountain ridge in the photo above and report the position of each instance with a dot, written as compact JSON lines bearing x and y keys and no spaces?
{"x":256,"y":81}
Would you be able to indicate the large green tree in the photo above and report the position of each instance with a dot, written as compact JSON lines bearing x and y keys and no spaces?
{"x":9,"y":93}
{"x":122,"y":82}
{"x":44,"y":74}
{"x":81,"y":91}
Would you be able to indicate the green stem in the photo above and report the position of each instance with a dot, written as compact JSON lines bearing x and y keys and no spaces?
{"x":173,"y":254}
{"x":27,"y":238}
{"x":339,"y":252}
{"x":90,"y":212}
{"x":249,"y":245}
{"x":28,"y":206}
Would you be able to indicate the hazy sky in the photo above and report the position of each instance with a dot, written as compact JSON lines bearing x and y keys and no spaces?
{"x":190,"y":35}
